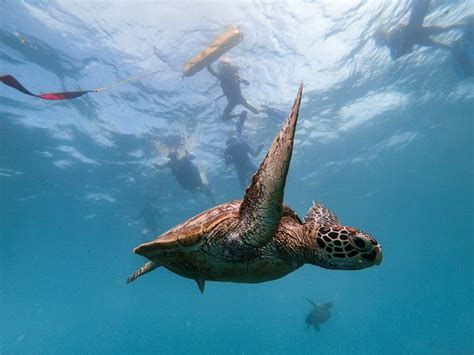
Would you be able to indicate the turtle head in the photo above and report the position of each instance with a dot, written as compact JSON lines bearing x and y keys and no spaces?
{"x":344,"y":248}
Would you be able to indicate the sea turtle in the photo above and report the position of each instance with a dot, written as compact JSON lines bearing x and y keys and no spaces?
{"x":259,"y":238}
{"x":319,"y":314}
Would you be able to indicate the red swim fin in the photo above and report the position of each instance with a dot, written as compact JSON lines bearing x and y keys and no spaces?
{"x":9,"y":80}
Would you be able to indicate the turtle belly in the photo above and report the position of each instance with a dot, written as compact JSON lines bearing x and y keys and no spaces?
{"x":199,"y":266}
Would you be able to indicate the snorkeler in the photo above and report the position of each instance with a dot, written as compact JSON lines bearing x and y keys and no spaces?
{"x":230,"y":81}
{"x":187,"y":174}
{"x":150,"y":214}
{"x":237,"y":152}
{"x":463,"y":51}
{"x":404,"y":37}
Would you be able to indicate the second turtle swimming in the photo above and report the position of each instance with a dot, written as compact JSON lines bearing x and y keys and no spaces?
{"x":258,"y":239}
{"x":319,"y":314}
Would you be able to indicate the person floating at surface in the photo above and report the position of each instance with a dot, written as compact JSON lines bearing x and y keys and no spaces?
{"x":404,"y":37}
{"x":237,"y":152}
{"x":463,"y":50}
{"x":187,"y":174}
{"x":230,"y":81}
{"x":150,"y":214}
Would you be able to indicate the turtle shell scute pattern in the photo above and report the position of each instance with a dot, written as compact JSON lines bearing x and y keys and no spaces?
{"x":191,"y":231}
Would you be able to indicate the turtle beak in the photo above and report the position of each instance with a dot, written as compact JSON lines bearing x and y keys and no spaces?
{"x":378,"y":255}
{"x":374,"y":256}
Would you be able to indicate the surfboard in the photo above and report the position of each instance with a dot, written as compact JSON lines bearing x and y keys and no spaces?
{"x":214,"y":50}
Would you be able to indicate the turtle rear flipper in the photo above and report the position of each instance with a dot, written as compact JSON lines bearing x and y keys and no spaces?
{"x":201,"y":284}
{"x":149,"y":266}
{"x":261,"y":209}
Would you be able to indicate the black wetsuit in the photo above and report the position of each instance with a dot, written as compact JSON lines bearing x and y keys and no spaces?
{"x":230,"y":83}
{"x":186,"y":172}
{"x":237,"y":152}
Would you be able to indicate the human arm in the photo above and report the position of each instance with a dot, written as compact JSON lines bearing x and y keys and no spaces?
{"x":428,"y":42}
{"x":436,"y":30}
{"x":244,"y":81}
{"x":212,"y":71}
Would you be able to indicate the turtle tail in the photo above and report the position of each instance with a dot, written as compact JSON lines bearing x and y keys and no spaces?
{"x":149,"y":266}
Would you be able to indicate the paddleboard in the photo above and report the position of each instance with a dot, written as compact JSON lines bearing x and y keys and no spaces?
{"x":213,"y":51}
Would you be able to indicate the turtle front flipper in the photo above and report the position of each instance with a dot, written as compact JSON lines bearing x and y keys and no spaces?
{"x":311,"y":302}
{"x":320,"y":214}
{"x":260,"y":211}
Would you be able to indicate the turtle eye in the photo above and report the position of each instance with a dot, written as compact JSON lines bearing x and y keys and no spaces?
{"x":359,"y":242}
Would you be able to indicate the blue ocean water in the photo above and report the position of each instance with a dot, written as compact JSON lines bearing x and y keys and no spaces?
{"x":387,"y":145}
